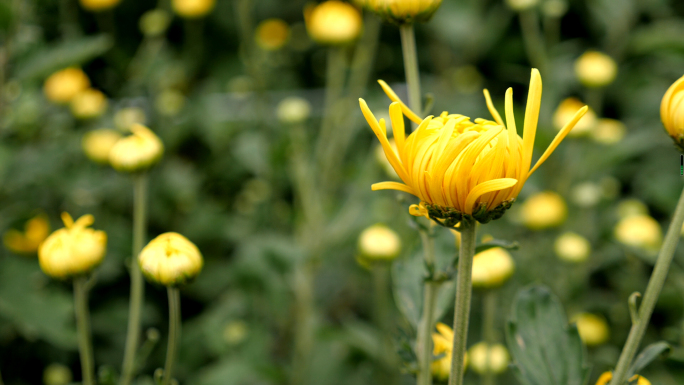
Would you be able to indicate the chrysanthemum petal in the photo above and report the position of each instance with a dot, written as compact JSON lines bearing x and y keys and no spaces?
{"x":395,"y":98}
{"x":531,"y":120}
{"x":492,"y":109}
{"x":382,"y":137}
{"x":398,"y":128}
{"x":392,"y":186}
{"x":485,"y":187}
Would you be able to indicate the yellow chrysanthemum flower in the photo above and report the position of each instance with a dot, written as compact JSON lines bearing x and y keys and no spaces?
{"x":97,"y":143}
{"x":26,"y":242}
{"x":672,"y":112}
{"x":544,"y":210}
{"x":272,"y":34}
{"x":595,"y":69}
{"x":593,"y":329}
{"x":98,"y":5}
{"x":138,"y":151}
{"x":192,"y":9}
{"x":63,"y":85}
{"x":404,"y":11}
{"x":461,"y":168}
{"x":333,"y":22}
{"x":378,"y":243}
{"x":492,"y":268}
{"x":607,"y":376}
{"x":486,"y":358}
{"x":170,"y":260}
{"x":88,"y":104}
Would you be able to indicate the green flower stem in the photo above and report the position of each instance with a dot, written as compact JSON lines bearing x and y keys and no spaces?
{"x":408,"y":47}
{"x":533,"y":40}
{"x":382,"y":313}
{"x":655,"y":286}
{"x":424,"y":340}
{"x":489,"y":331}
{"x":137,"y":283}
{"x":85,"y":347}
{"x":174,"y":333}
{"x":464,"y":291}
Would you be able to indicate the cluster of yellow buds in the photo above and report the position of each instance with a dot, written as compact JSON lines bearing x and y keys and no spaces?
{"x":170,"y":260}
{"x":72,"y":86}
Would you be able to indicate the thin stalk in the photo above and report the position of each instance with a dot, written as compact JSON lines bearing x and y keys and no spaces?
{"x":174,"y":333}
{"x":424,"y":340}
{"x":333,"y":107}
{"x":137,"y":285}
{"x":533,"y":40}
{"x":408,"y":48}
{"x":383,"y":319}
{"x":305,"y":322}
{"x":655,"y":286}
{"x":488,"y":333}
{"x":464,"y":291}
{"x":85,"y":346}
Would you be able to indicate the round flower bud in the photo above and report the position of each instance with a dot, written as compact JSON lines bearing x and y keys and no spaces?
{"x":154,"y":23}
{"x":607,"y":376}
{"x":136,"y":152}
{"x":641,"y":231}
{"x":672,"y":112}
{"x":572,"y":247}
{"x":97,"y":144}
{"x":333,"y":22}
{"x":293,"y":110}
{"x":586,"y":194}
{"x":443,"y":345}
{"x":521,"y":5}
{"x":404,"y":11}
{"x":492,"y":268}
{"x":35,"y":231}
{"x":272,"y":34}
{"x":63,"y":85}
{"x":544,"y":210}
{"x":170,"y":260}
{"x":126,"y":117}
{"x":595,"y":69}
{"x":57,"y":374}
{"x":631,"y":207}
{"x":193,"y":9}
{"x":593,"y":329}
{"x":98,"y":5}
{"x":88,"y":104}
{"x":566,"y":110}
{"x":485,"y":358}
{"x":608,"y":131}
{"x":73,"y":250}
{"x":379,"y":242}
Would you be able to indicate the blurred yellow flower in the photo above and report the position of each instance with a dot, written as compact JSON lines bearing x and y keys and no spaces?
{"x":566,"y":110}
{"x":170,"y":260}
{"x":492,"y":268}
{"x":272,"y":34}
{"x":404,"y":11}
{"x":543,"y":210}
{"x":485,"y":358}
{"x":459,"y":168}
{"x":74,"y":249}
{"x":63,"y":85}
{"x":154,"y":23}
{"x":631,"y":207}
{"x":293,"y":110}
{"x":640,"y":231}
{"x":572,"y":247}
{"x":672,"y":112}
{"x":97,"y":143}
{"x":57,"y":374}
{"x":521,"y":5}
{"x":379,"y":242}
{"x":136,"y":152}
{"x":98,"y":5}
{"x":593,"y":329}
{"x":193,"y":9}
{"x":126,"y":117}
{"x":88,"y":104}
{"x":607,"y":376}
{"x":35,"y":231}
{"x":333,"y":22}
{"x":595,"y":69}
{"x":443,"y":345}
{"x":608,"y":131}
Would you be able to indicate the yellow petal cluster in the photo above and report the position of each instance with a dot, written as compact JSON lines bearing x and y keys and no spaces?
{"x":544,"y":210}
{"x":595,"y":69}
{"x":572,"y":247}
{"x":73,"y":250}
{"x":379,"y":242}
{"x":485,"y":358}
{"x":641,"y":231}
{"x":607,"y":376}
{"x":35,"y":231}
{"x":461,"y":168}
{"x":136,"y":152}
{"x":193,"y":9}
{"x":333,"y":22}
{"x":404,"y":11}
{"x":443,"y":345}
{"x":672,"y":112}
{"x":63,"y":85}
{"x":97,"y":143}
{"x":98,"y":5}
{"x":593,"y":329}
{"x":492,"y":268}
{"x":170,"y":260}
{"x":88,"y":104}
{"x":272,"y":34}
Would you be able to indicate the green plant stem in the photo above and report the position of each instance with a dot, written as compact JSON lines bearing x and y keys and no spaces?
{"x":464,"y":291}
{"x":334,"y":106}
{"x":408,"y":48}
{"x":424,"y":340}
{"x":655,"y":286}
{"x":85,"y":347}
{"x":174,"y":333}
{"x":305,"y":321}
{"x":533,"y":40}
{"x":387,"y":373}
{"x":488,"y":332}
{"x":137,"y":284}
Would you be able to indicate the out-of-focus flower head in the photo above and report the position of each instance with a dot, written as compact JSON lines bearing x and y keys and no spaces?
{"x":554,"y":8}
{"x":272,"y":34}
{"x":586,"y":194}
{"x":170,"y":260}
{"x":293,"y":110}
{"x":35,"y":231}
{"x":57,"y":374}
{"x":566,"y":110}
{"x":492,"y":268}
{"x":608,"y":131}
{"x":607,"y":376}
{"x":404,"y":11}
{"x":154,"y":23}
{"x":593,"y":329}
{"x":521,"y":5}
{"x":488,"y":359}
{"x":126,"y":117}
{"x":631,"y":207}
{"x":595,"y":69}
{"x":333,"y":22}
{"x":544,"y":210}
{"x":672,"y":112}
{"x":193,"y":9}
{"x":136,"y":152}
{"x":98,"y":5}
{"x":572,"y":247}
{"x":63,"y":85}
{"x":640,"y":231}
{"x":74,"y":249}
{"x":88,"y":104}
{"x":97,"y":143}
{"x":443,"y":345}
{"x":379,"y":243}
{"x":462,"y":169}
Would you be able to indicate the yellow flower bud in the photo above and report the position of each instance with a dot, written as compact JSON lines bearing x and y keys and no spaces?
{"x":595,"y":69}
{"x":485,"y":358}
{"x":572,"y":247}
{"x":57,"y":374}
{"x":586,"y":194}
{"x":608,"y":131}
{"x":126,"y":117}
{"x":672,"y":112}
{"x":170,"y":260}
{"x":378,"y":243}
{"x":543,"y":210}
{"x":607,"y":376}
{"x":293,"y":110}
{"x":333,"y":22}
{"x":566,"y":110}
{"x":136,"y":152}
{"x":404,"y":11}
{"x":443,"y":345}
{"x":73,"y":250}
{"x":88,"y":104}
{"x":35,"y":231}
{"x":272,"y":34}
{"x":593,"y":329}
{"x":631,"y":207}
{"x":97,"y":144}
{"x":63,"y":85}
{"x":193,"y":9}
{"x":154,"y":23}
{"x":521,"y":5}
{"x":640,"y":231}
{"x":98,"y":5}
{"x":492,"y":268}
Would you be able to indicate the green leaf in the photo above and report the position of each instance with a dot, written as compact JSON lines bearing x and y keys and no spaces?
{"x":546,"y":350}
{"x":407,"y":278}
{"x":497,"y":243}
{"x":650,"y":353}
